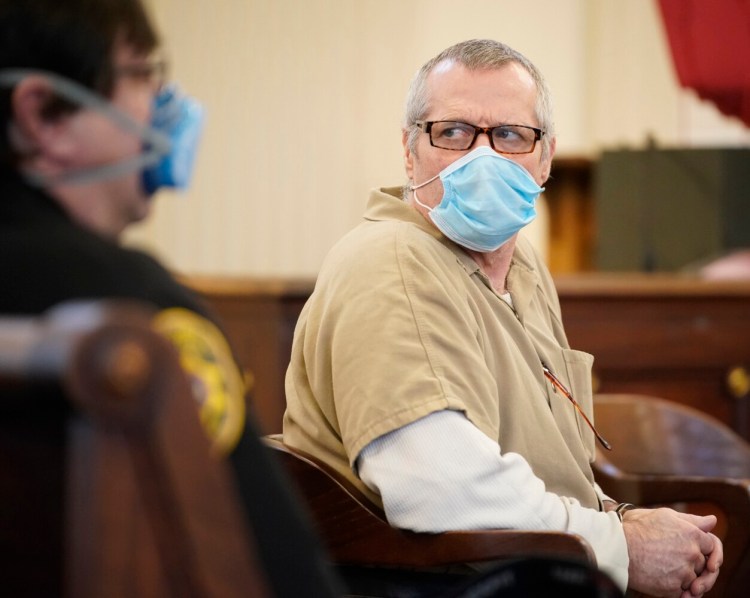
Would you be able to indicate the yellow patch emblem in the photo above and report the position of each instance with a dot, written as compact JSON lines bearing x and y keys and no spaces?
{"x":217,"y":383}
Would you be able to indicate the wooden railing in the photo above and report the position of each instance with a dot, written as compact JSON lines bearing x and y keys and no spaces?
{"x":681,"y":338}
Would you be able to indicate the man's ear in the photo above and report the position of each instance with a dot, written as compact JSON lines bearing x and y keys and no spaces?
{"x":35,"y":130}
{"x":548,"y":162}
{"x":408,"y":154}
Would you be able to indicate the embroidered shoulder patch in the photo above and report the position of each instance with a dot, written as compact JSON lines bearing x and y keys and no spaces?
{"x":218,"y":387}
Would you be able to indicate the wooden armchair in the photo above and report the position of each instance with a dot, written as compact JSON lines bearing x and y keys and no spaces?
{"x":665,"y":453}
{"x":107,"y":483}
{"x":361,"y":542}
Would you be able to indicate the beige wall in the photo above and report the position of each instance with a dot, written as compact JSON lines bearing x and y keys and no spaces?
{"x":304,"y":100}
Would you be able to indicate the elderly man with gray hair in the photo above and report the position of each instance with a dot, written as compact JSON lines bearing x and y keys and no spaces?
{"x":430,"y":365}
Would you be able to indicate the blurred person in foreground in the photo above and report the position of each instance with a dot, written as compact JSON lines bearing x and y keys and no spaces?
{"x":430,"y":365}
{"x":91,"y":129}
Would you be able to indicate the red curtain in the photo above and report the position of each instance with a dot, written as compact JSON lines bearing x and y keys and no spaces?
{"x":710,"y":43}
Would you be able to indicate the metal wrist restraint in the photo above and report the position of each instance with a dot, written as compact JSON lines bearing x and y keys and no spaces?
{"x":621,"y":509}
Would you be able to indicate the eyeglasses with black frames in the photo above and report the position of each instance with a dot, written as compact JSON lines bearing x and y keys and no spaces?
{"x":561,"y":387}
{"x":458,"y":136}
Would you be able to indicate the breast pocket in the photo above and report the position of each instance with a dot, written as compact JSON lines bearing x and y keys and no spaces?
{"x":579,"y":366}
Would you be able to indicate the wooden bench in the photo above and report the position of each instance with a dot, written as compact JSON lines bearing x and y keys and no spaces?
{"x":108,"y":486}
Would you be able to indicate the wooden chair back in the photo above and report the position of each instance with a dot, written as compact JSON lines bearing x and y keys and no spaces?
{"x":665,"y":453}
{"x":655,"y":436}
{"x":108,"y":486}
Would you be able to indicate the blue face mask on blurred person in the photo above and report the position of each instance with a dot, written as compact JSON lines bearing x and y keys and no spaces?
{"x":486,"y":200}
{"x":170,"y":140}
{"x":180,"y":119}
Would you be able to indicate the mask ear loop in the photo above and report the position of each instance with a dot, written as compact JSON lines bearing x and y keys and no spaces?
{"x":156,"y":143}
{"x":427,"y":182}
{"x":416,"y":197}
{"x":456,"y":165}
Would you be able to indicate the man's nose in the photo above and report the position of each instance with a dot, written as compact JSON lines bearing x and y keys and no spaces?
{"x":483,"y":139}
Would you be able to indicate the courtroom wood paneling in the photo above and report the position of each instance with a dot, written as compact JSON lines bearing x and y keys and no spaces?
{"x":680,"y":338}
{"x":677,"y":337}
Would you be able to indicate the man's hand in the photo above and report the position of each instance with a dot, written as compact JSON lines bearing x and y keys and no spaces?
{"x":671,"y":553}
{"x":705,"y":581}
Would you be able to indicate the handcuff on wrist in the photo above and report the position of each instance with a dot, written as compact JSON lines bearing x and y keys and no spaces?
{"x":622,"y":508}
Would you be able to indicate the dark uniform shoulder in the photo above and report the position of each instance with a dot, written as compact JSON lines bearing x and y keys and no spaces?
{"x":53,"y":261}
{"x":56,"y":262}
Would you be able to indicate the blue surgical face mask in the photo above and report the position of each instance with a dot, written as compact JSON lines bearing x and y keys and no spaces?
{"x":486,"y":200}
{"x":169,"y":141}
{"x":180,"y":119}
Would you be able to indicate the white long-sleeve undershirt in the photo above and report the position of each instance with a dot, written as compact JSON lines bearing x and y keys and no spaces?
{"x":442,"y":473}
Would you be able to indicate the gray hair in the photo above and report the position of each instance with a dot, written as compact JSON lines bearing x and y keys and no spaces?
{"x":476,"y":54}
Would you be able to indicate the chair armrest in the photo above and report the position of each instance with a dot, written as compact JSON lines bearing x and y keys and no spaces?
{"x":645,"y":489}
{"x":401,"y":548}
{"x":356,"y":531}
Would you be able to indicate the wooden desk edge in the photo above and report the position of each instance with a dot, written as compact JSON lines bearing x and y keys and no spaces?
{"x":238,"y":286}
{"x":609,"y":284}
